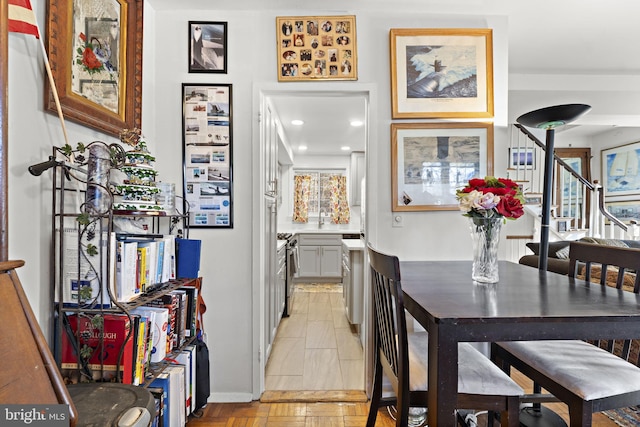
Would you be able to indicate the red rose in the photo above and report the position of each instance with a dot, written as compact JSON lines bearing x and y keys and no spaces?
{"x":510,"y":207}
{"x":507,"y":183}
{"x":476,"y":183}
{"x":89,"y":59}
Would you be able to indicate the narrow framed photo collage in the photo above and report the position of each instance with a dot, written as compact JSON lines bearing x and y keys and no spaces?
{"x":208,"y":154}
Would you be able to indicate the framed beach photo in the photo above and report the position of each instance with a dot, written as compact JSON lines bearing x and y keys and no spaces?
{"x":621,"y":170}
{"x":626,"y":211}
{"x":207,"y":47}
{"x":441,"y":73}
{"x":95,"y":52}
{"x":316,"y":48}
{"x":533,"y":199}
{"x":207,"y":154}
{"x":521,"y":158}
{"x":430,"y":161}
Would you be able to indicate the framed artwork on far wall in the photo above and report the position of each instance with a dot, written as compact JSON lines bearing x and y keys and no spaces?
{"x":430,"y":161}
{"x":95,"y":52}
{"x":207,"y":47}
{"x":316,"y":48}
{"x":441,"y":73}
{"x":521,"y":158}
{"x":207,"y":151}
{"x":621,"y":170}
{"x":626,"y":211}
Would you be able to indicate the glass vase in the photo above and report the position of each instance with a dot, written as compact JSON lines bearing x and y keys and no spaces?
{"x":485,"y":235}
{"x":98,"y":198}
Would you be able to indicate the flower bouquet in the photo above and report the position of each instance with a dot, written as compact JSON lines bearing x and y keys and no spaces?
{"x":491,"y":198}
{"x":488,"y":203}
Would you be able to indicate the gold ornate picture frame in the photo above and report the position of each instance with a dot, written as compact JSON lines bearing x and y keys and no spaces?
{"x":441,"y":73}
{"x":430,"y":161}
{"x":95,"y":52}
{"x":316,"y":48}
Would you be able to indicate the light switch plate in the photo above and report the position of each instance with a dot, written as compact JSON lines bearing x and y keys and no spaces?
{"x":397,"y":220}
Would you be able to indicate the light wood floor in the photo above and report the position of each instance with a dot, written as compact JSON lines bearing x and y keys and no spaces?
{"x":315,"y":349}
{"x":316,"y":358}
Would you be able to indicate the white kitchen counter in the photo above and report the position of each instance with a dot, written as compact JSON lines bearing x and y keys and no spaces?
{"x":312,"y":228}
{"x":280,"y":244}
{"x":353,"y":244}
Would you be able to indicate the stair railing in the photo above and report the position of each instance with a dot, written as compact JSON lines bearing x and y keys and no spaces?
{"x":572,"y":206}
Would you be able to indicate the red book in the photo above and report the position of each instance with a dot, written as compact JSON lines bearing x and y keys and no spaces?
{"x":103,"y":346}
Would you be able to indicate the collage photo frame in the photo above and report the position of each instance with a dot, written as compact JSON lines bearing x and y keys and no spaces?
{"x":316,"y":48}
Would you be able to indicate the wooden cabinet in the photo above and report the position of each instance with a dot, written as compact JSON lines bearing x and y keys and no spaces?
{"x":320,"y":255}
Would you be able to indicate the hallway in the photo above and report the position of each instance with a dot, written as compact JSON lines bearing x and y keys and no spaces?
{"x":315,"y":348}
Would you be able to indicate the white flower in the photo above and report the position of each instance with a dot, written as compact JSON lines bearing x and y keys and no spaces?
{"x":486,"y":201}
{"x":467,"y":202}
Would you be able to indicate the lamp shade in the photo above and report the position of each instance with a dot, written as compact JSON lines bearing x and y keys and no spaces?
{"x":552,"y":117}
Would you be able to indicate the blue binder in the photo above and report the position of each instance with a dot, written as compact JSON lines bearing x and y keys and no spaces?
{"x":188,"y":258}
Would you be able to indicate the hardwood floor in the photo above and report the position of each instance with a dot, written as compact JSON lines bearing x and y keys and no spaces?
{"x":320,"y":414}
{"x":304,"y":391}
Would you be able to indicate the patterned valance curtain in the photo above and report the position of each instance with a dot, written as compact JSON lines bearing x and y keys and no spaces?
{"x":340,"y":213}
{"x":302,"y":184}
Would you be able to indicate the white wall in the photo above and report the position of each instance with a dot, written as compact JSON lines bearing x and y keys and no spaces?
{"x":227,"y":253}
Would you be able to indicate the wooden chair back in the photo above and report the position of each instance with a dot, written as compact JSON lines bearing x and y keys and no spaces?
{"x":617,"y":267}
{"x":611,"y":261}
{"x":29,"y":373}
{"x":390,"y":324}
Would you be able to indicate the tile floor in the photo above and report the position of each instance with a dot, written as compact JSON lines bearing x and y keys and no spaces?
{"x":315,"y":347}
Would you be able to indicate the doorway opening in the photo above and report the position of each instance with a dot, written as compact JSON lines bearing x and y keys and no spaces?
{"x":304,"y":339}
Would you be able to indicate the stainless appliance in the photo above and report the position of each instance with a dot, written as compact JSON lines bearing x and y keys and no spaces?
{"x":291,"y":269}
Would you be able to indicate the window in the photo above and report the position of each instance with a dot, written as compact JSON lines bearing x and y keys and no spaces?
{"x":319,"y":189}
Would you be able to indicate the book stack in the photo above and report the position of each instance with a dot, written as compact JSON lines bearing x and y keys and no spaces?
{"x":171,"y":302}
{"x":141,"y":263}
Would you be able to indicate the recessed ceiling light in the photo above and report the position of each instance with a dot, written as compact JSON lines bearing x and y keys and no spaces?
{"x":302,"y":147}
{"x":345,"y":148}
{"x":297,"y":122}
{"x":356,"y":123}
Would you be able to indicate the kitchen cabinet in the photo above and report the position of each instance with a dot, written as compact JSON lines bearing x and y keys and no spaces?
{"x":320,"y":255}
{"x":275,"y":297}
{"x":356,"y":173}
{"x":353,"y":280}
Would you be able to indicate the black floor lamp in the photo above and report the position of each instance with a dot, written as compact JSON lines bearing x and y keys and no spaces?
{"x":549,"y":118}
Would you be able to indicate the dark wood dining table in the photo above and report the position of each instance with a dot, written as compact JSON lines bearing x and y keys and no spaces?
{"x":526,"y":304}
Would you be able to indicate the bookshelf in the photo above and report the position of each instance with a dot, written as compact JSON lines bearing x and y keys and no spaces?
{"x":101,"y":334}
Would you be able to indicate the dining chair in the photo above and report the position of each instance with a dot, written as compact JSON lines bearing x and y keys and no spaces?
{"x":402,"y":356}
{"x":588,"y":376}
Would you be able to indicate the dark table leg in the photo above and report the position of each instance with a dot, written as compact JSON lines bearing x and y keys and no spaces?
{"x":443,"y":375}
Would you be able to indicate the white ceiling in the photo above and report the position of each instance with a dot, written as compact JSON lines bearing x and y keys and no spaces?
{"x":327,"y":122}
{"x":588,"y":38}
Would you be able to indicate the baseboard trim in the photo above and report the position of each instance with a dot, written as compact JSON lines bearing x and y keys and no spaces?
{"x":230,"y":397}
{"x":274,"y":396}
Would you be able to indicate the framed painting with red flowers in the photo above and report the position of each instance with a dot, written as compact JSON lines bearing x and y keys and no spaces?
{"x":95,"y":54}
{"x":430,"y":161}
